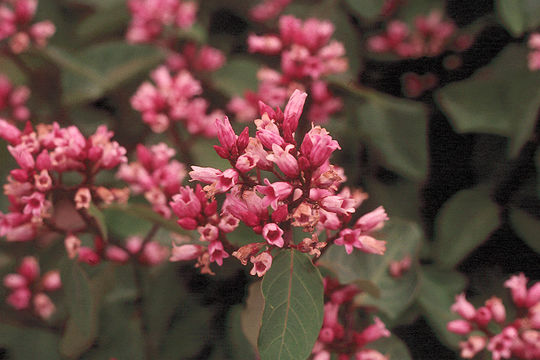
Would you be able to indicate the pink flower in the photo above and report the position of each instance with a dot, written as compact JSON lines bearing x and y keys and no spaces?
{"x":15,"y":281}
{"x":500,"y":345}
{"x":372,"y":221}
{"x":293,"y":110}
{"x":43,"y":181}
{"x":72,"y":245}
{"x":464,"y":308}
{"x":186,"y":252}
{"x":20,"y":298}
{"x":473,"y":345}
{"x":268,"y":44}
{"x":83,"y":198}
{"x":116,"y":254}
{"x":518,"y":286}
{"x":317,"y":146}
{"x":9,"y":132}
{"x":29,"y":268}
{"x":43,"y":306}
{"x":217,"y":253}
{"x":352,"y":239}
{"x":274,"y":192}
{"x":206,"y":175}
{"x":51,"y":280}
{"x":261,"y":263}
{"x":208,"y":232}
{"x":286,"y":162}
{"x":372,"y":333}
{"x":273,"y":234}
{"x":226,"y":136}
{"x":461,"y":327}
{"x":497,"y":309}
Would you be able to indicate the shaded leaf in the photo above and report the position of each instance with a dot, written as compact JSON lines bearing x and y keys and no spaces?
{"x":396,"y":294}
{"x":366,"y":8}
{"x":439,"y":287}
{"x":397,"y":130}
{"x":239,"y":348}
{"x":492,"y":101}
{"x":392,"y":347}
{"x":293,"y":309}
{"x":463,"y":223}
{"x":251,"y":315}
{"x":100,"y":68}
{"x":236,"y":76}
{"x":100,"y":221}
{"x":145,"y":212}
{"x":28,"y":343}
{"x":518,"y":16}
{"x":527,"y":227}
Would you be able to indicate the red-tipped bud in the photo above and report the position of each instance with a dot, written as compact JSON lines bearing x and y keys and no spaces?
{"x":243,"y":140}
{"x":222,"y":152}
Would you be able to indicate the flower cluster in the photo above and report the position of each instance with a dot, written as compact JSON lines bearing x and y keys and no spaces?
{"x":430,"y":36}
{"x":534,"y":55}
{"x":301,"y":190}
{"x":159,"y":19}
{"x":307,"y":54}
{"x":345,"y":341}
{"x":414,"y":85}
{"x":155,"y":175}
{"x":488,"y":327}
{"x":43,"y":155}
{"x":13,"y":100}
{"x":16,"y":25}
{"x":268,"y":9}
{"x":27,"y":287}
{"x":147,"y":253}
{"x":196,"y":59}
{"x":174,"y":98}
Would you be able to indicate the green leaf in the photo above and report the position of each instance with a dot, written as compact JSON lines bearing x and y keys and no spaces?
{"x":251,"y":316}
{"x":366,"y":8}
{"x":236,"y":76}
{"x":396,"y":294}
{"x":437,"y":293}
{"x":239,"y":348}
{"x":105,"y":21}
{"x":492,"y":101}
{"x":145,"y":212}
{"x":519,"y":16}
{"x":83,"y":297}
{"x":100,"y":221}
{"x":81,"y":327}
{"x":28,"y":343}
{"x":463,"y":223}
{"x":392,"y":347}
{"x":397,"y":130}
{"x":100,"y":68}
{"x":293,"y":309}
{"x":527,"y":227}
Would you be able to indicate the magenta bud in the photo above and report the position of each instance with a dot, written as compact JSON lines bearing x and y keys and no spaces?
{"x":280,"y":214}
{"x":19,"y":174}
{"x":243,"y":140}
{"x":211,"y":208}
{"x":95,"y":153}
{"x":43,"y":161}
{"x":303,"y":163}
{"x":188,"y":223}
{"x":222,"y":152}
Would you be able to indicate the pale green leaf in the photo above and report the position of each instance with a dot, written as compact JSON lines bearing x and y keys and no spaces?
{"x":293,"y":309}
{"x":519,"y":16}
{"x":464,"y":222}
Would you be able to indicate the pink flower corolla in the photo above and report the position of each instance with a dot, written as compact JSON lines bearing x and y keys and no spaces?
{"x":317,"y":146}
{"x":15,"y":25}
{"x":430,"y":36}
{"x":353,"y":239}
{"x":26,"y":281}
{"x":534,"y":54}
{"x":217,"y":253}
{"x":273,"y":234}
{"x":13,"y":100}
{"x":268,"y":9}
{"x":261,"y":264}
{"x":274,"y":192}
{"x":399,"y":267}
{"x":174,"y":98}
{"x":186,"y":252}
{"x":151,"y":18}
{"x":220,"y":182}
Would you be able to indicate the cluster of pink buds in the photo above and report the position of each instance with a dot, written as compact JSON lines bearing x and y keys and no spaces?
{"x":15,"y":24}
{"x":196,"y":59}
{"x":147,"y":253}
{"x":13,"y":100}
{"x":488,"y":327}
{"x":43,"y":155}
{"x":534,"y":55}
{"x":390,"y":7}
{"x":268,"y":9}
{"x":399,"y":267}
{"x":430,"y":36}
{"x":307,"y":54}
{"x":155,"y":175}
{"x":159,"y":19}
{"x":300,"y":191}
{"x":414,"y":85}
{"x":334,"y":338}
{"x":174,"y":98}
{"x":27,"y":287}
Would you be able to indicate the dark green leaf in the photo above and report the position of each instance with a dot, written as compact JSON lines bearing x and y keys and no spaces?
{"x":83,"y":297}
{"x":392,"y":347}
{"x":100,"y":68}
{"x":492,"y":100}
{"x":236,"y":76}
{"x":100,"y":220}
{"x":527,"y":227}
{"x":396,"y":294}
{"x":464,"y":222}
{"x":367,"y":8}
{"x":28,"y":343}
{"x":293,"y":309}
{"x":105,"y":21}
{"x":519,"y":16}
{"x":439,"y":287}
{"x":397,"y":130}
